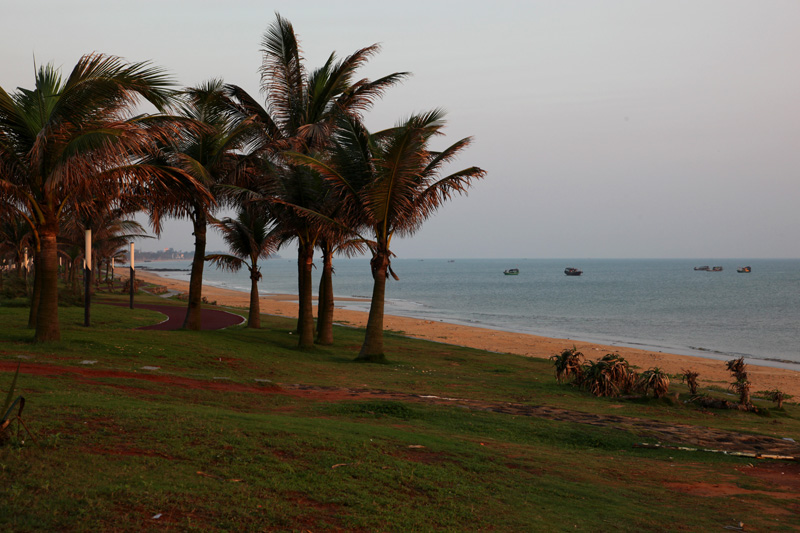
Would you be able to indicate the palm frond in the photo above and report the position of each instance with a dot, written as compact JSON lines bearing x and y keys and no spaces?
{"x":437,"y":193}
{"x":225,"y":262}
{"x":282,"y":73}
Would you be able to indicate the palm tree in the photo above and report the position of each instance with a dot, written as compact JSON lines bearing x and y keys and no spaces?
{"x":390,"y":183}
{"x":330,"y":244}
{"x":302,"y":109}
{"x":212,"y":154}
{"x":249,"y":240}
{"x":15,"y":236}
{"x":110,"y":232}
{"x":63,"y":142}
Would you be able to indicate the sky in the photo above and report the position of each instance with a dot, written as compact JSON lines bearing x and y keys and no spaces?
{"x":613,"y":129}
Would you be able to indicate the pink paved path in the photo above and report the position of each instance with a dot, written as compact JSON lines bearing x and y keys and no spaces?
{"x":210,"y":318}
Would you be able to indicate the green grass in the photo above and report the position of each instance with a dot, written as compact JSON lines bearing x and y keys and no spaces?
{"x":254,"y":435}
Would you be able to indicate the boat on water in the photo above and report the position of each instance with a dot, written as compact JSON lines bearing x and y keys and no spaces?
{"x":511,"y":272}
{"x":704,"y":268}
{"x":716,"y":269}
{"x":744,"y":270}
{"x":569,"y":271}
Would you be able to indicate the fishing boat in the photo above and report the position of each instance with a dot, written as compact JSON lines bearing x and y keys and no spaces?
{"x":744,"y":270}
{"x":716,"y":269}
{"x":704,"y":268}
{"x":569,"y":271}
{"x":511,"y":272}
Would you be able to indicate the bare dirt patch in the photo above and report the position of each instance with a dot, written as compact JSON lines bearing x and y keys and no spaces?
{"x":784,"y":474}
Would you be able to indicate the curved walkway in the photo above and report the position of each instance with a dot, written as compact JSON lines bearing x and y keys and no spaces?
{"x":209,"y":318}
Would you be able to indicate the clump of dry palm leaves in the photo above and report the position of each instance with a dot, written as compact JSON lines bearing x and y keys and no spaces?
{"x":775,"y":395}
{"x":655,"y":380}
{"x":741,"y":385}
{"x":569,"y":365}
{"x":611,"y":375}
{"x":690,"y":378}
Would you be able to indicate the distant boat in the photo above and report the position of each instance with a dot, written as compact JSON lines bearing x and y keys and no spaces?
{"x":569,"y":271}
{"x":705,"y":268}
{"x":511,"y":272}
{"x":716,"y":269}
{"x":744,"y":270}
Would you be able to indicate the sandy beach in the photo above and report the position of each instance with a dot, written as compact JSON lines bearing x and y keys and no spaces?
{"x":712,"y":371}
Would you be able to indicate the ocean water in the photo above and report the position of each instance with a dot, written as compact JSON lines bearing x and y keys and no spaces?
{"x":662,"y":305}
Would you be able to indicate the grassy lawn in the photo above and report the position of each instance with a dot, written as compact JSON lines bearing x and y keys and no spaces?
{"x":237,"y":430}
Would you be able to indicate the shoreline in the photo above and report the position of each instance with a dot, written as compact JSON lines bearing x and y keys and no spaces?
{"x":712,"y":371}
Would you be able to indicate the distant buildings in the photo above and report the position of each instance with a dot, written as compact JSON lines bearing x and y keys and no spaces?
{"x":167,"y":254}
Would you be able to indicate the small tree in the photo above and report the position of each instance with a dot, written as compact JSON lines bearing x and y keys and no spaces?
{"x":776,"y":396}
{"x":249,"y":239}
{"x":690,"y":378}
{"x":741,"y":385}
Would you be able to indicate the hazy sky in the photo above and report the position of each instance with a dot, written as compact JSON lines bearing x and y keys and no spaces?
{"x":609,"y":129}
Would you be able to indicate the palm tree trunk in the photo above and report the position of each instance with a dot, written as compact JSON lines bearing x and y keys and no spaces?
{"x":254,"y":317}
{"x":305,"y":318}
{"x":193,"y":318}
{"x":325,"y":302}
{"x":372,"y":349}
{"x":73,"y":276}
{"x":47,"y":327}
{"x":37,"y":292}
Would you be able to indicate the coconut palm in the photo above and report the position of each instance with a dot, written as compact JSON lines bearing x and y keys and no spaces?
{"x":15,"y":237}
{"x":389,"y":183}
{"x":212,"y":153}
{"x":301,"y":111}
{"x":111,"y":232}
{"x":329,"y":245}
{"x":65,"y":141}
{"x":249,"y":240}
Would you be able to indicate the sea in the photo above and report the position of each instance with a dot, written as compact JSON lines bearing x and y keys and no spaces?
{"x":655,"y":304}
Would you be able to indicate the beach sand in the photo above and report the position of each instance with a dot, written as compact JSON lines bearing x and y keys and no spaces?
{"x":712,"y":371}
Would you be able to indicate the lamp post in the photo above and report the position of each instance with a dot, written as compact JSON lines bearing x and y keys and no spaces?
{"x":133,"y":276}
{"x":87,"y":279}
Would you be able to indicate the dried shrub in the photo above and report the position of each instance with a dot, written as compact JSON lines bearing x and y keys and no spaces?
{"x":690,"y":378}
{"x":775,"y":395}
{"x":568,"y":365}
{"x":741,"y":385}
{"x":655,"y":380}
{"x":609,"y":376}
